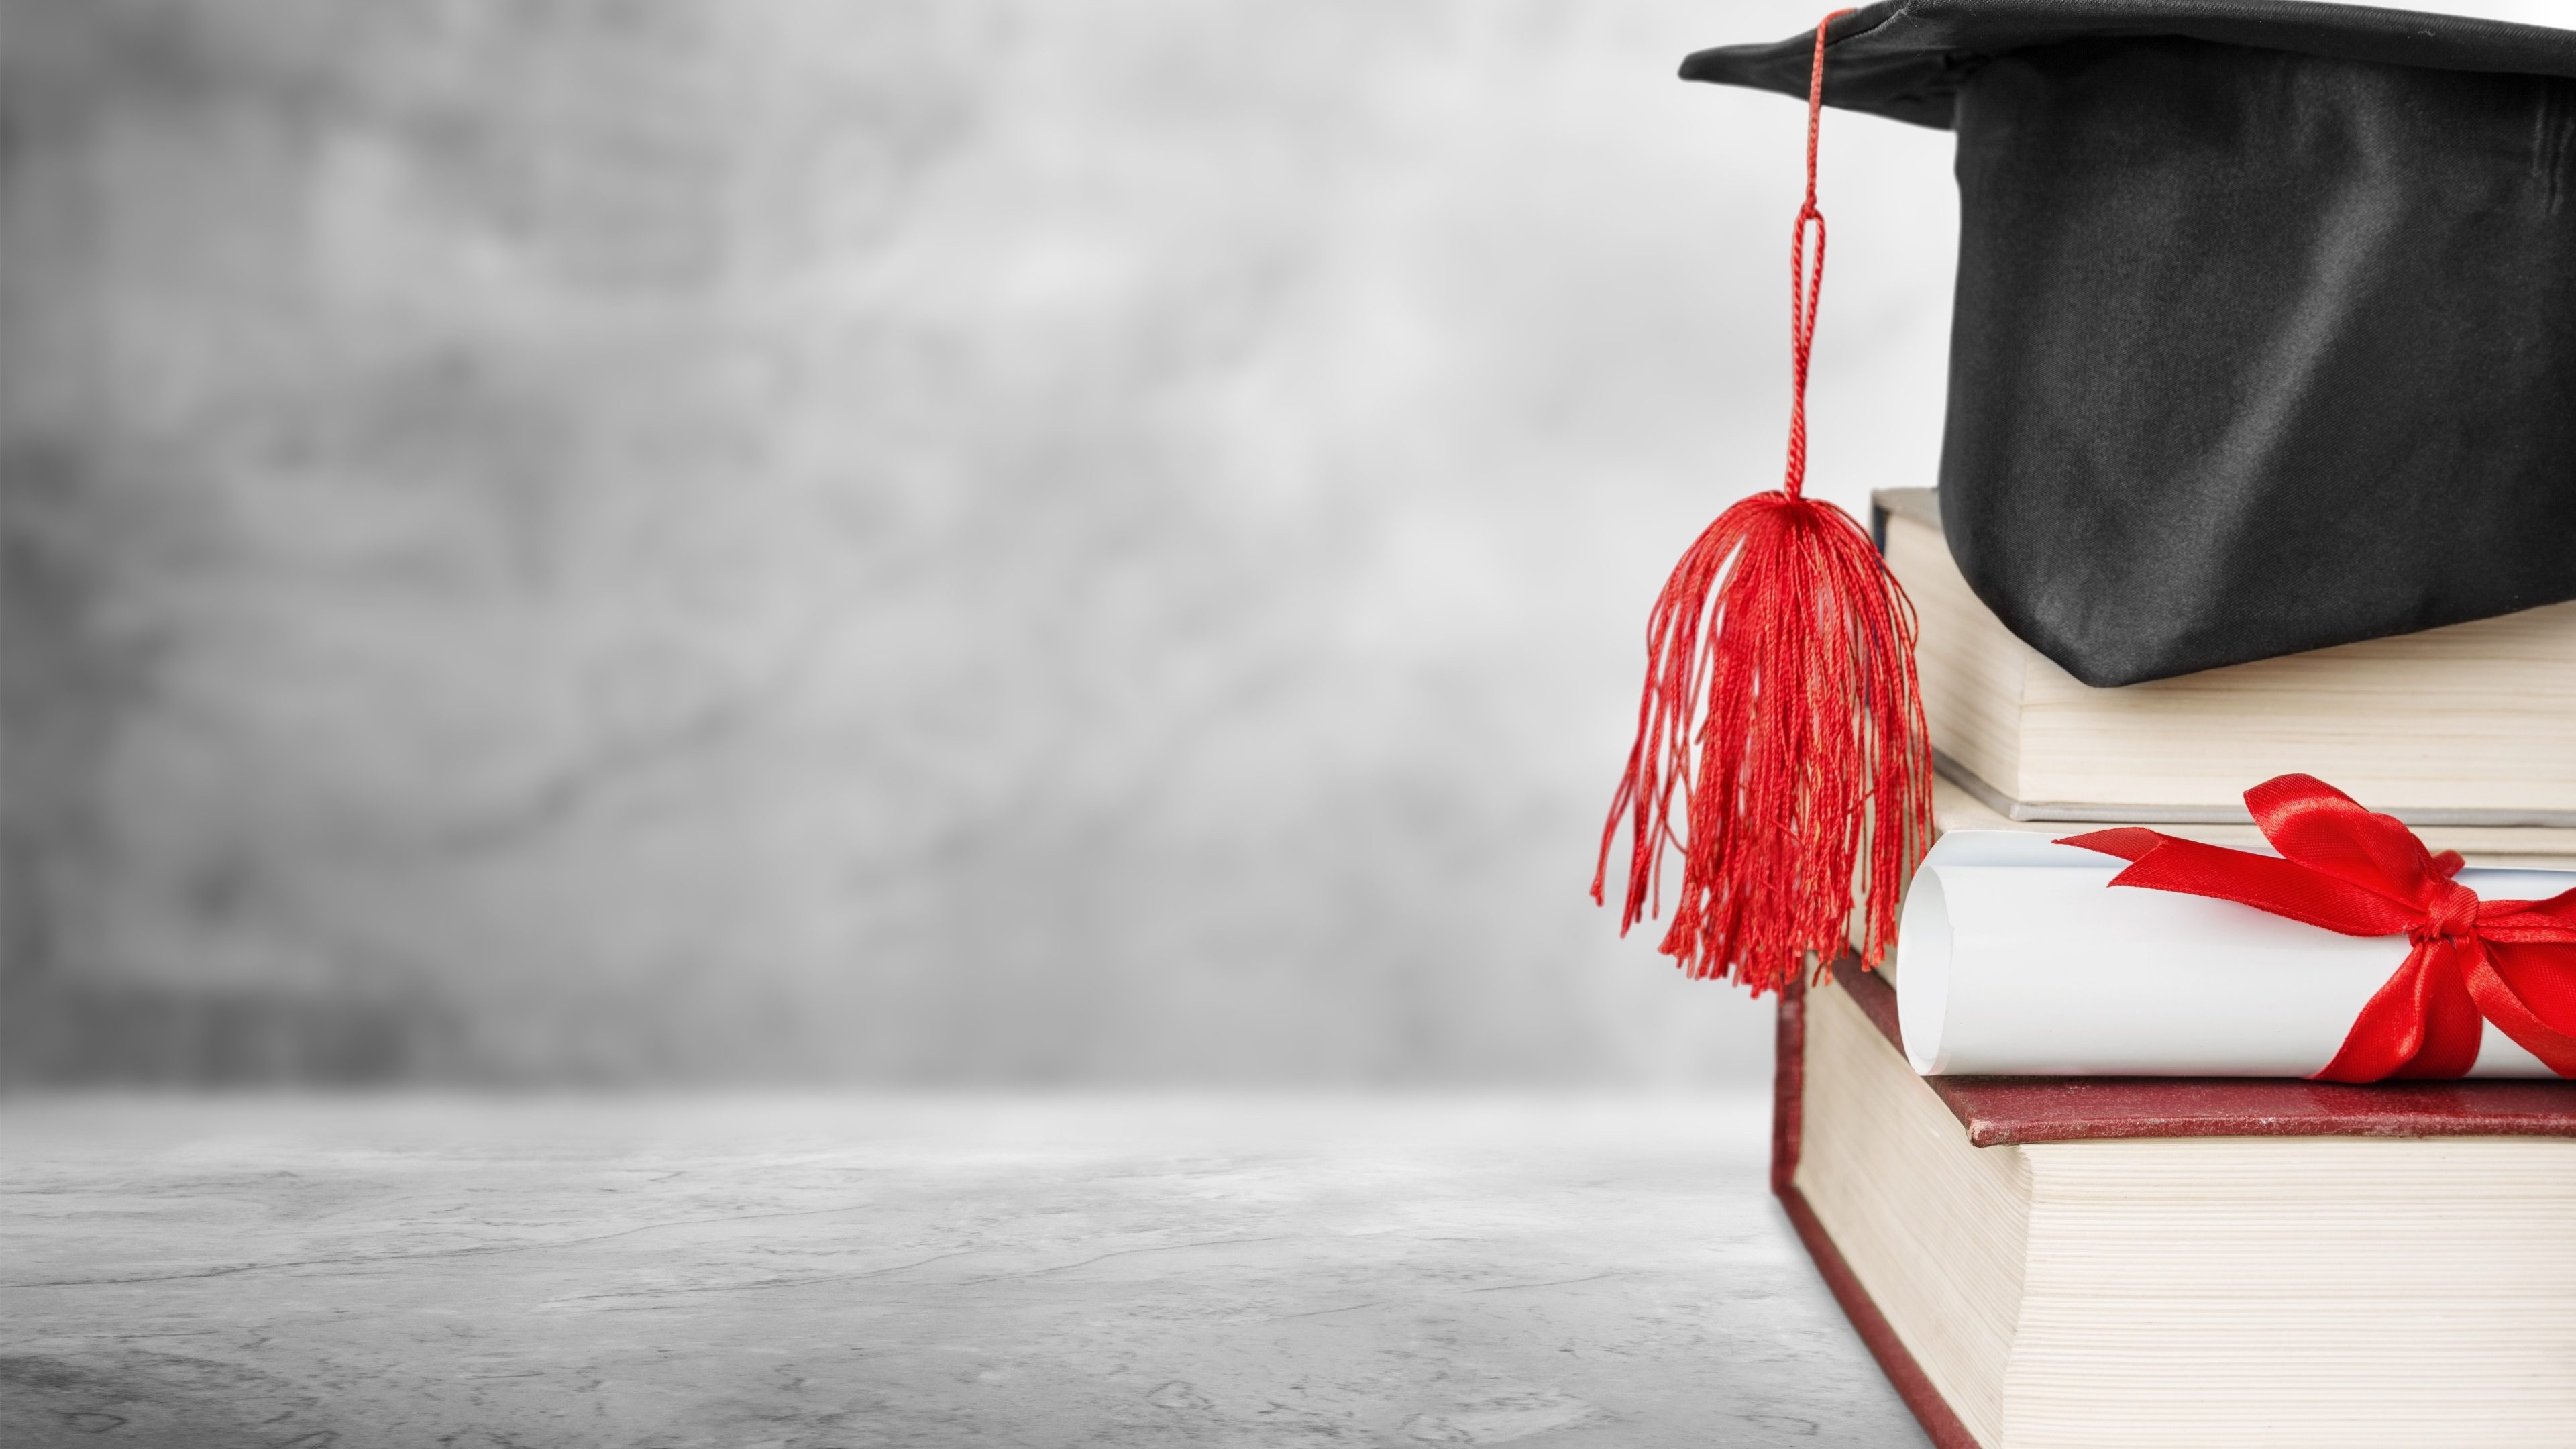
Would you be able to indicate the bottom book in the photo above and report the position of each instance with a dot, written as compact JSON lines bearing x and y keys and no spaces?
{"x":2184,"y":1261}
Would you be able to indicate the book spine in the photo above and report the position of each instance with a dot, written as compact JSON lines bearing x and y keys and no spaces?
{"x":1788,"y":1094}
{"x":1788,"y":1083}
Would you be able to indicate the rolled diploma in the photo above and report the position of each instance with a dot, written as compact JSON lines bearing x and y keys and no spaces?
{"x":2016,"y":956}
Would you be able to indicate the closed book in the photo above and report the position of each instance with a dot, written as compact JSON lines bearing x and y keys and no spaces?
{"x":2493,"y":846}
{"x":2109,"y":1262}
{"x":2471,"y":726}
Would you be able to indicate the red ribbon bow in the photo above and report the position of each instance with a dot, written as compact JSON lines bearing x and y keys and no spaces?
{"x":2349,"y":870}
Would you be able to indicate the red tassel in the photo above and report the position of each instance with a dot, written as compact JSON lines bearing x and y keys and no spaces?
{"x":1813,"y":776}
{"x":1813,"y":771}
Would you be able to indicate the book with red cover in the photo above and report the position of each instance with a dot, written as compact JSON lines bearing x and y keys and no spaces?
{"x":1994,"y":1111}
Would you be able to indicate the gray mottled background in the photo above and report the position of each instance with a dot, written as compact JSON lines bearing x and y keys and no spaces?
{"x":568,"y":540}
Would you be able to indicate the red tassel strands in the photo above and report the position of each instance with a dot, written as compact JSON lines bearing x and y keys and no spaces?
{"x":1811,"y":780}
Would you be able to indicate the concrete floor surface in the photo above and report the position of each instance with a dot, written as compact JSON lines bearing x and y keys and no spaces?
{"x":870,"y":1271}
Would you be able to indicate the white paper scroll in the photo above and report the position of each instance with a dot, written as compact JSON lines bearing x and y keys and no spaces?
{"x":2016,"y":956}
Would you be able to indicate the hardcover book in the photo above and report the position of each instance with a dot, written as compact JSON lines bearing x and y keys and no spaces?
{"x":2108,"y":1262}
{"x":2470,"y":726}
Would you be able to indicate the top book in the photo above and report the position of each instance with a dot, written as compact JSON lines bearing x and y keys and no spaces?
{"x":2469,"y":725}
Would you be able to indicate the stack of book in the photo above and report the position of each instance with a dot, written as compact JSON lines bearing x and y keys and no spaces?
{"x":2167,"y":1261}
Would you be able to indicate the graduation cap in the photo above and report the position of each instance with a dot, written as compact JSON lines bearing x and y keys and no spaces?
{"x":2265,"y":331}
{"x":2264,"y":340}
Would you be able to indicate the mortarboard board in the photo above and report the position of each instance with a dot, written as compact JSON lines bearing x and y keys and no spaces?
{"x":2265,"y":329}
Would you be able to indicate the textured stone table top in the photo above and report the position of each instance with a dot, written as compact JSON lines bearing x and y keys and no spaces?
{"x":821,"y":1272}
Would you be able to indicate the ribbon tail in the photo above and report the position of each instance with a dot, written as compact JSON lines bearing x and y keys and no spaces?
{"x":2453,"y":1029}
{"x":2131,"y":843}
{"x":2269,"y":883}
{"x":2388,"y":1030}
{"x":2420,"y":1023}
{"x":2529,"y":992}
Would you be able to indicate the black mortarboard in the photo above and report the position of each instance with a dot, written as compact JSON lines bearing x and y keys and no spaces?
{"x":2265,"y":334}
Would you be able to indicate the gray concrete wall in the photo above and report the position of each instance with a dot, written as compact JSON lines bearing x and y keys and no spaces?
{"x":927,"y":543}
